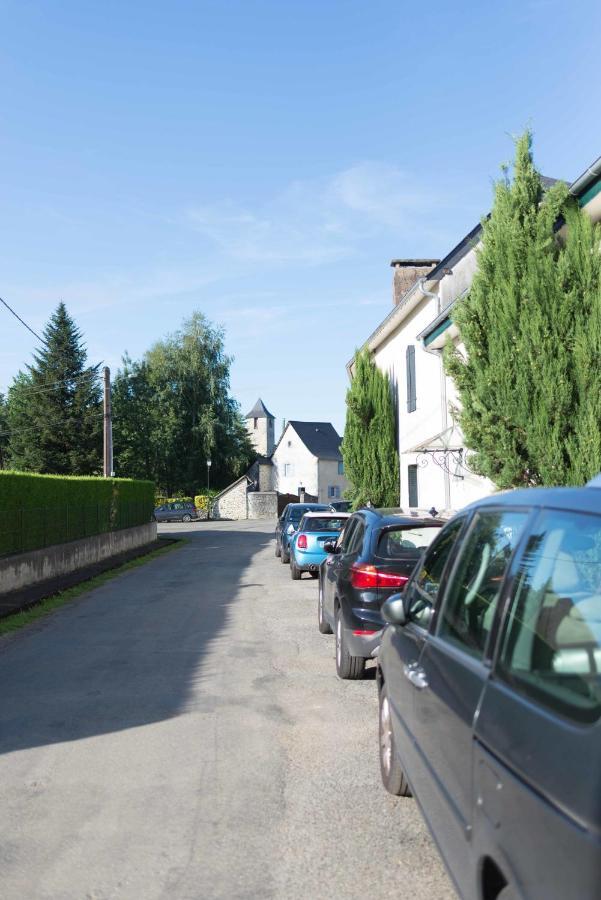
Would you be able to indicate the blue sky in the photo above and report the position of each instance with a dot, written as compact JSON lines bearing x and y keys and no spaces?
{"x":263,"y":162}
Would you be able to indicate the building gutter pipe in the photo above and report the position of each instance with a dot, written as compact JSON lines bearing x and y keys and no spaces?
{"x":444,"y":412}
{"x":591,"y":174}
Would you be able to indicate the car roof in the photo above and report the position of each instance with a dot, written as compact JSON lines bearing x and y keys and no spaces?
{"x":329,"y":513}
{"x":385,"y":515}
{"x":316,"y":506}
{"x":576,"y":499}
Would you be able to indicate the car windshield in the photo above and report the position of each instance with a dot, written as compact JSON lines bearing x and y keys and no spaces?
{"x":297,"y":514}
{"x":397,"y":543}
{"x":325,"y":523}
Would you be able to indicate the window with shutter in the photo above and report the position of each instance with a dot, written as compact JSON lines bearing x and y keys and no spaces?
{"x":411,"y":392}
{"x":412,"y":480}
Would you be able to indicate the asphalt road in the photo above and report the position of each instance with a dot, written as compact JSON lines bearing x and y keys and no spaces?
{"x":181,"y":732}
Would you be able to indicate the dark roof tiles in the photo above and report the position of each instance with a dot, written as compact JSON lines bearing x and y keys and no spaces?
{"x":320,"y":438}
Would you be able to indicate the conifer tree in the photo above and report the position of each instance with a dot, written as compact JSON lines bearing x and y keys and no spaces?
{"x":528,"y":381}
{"x":54,"y":409}
{"x":369,"y":447}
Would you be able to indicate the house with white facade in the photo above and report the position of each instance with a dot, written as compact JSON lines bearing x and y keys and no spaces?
{"x":408,"y":345}
{"x":307,"y":459}
{"x":434,"y":463}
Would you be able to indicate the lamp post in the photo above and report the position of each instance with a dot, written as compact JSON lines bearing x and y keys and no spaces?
{"x":209,"y":463}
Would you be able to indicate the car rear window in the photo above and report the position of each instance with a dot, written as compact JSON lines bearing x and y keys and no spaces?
{"x":407,"y":542}
{"x":297,"y":513}
{"x":327,"y":523}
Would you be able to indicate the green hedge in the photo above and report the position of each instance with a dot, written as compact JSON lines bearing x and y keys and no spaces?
{"x":41,"y":510}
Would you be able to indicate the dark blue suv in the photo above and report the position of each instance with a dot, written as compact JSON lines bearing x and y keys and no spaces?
{"x":489,"y":679}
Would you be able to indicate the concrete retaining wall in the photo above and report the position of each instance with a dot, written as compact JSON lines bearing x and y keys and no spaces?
{"x":24,"y":569}
{"x":262,"y":505}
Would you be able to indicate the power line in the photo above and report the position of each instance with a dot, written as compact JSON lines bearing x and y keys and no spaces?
{"x":60,"y":422}
{"x":48,"y":385}
{"x":11,"y":310}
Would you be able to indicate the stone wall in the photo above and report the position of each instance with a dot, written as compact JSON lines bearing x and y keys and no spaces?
{"x":232,"y":503}
{"x":24,"y":569}
{"x":406,"y":273}
{"x":262,"y":505}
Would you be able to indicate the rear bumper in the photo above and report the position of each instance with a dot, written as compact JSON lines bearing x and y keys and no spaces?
{"x":308,"y":562}
{"x":364,"y":632}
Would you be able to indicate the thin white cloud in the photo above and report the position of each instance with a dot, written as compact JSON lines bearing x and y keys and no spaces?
{"x":322,"y":220}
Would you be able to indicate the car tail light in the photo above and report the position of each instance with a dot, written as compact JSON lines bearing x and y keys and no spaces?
{"x":366,"y":576}
{"x":302,"y":542}
{"x":363,"y":632}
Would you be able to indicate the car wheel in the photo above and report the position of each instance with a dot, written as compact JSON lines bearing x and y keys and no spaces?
{"x":347,"y":666}
{"x":295,"y":572}
{"x":285,"y":557}
{"x":393,"y":777}
{"x":322,"y":622}
{"x":186,"y":518}
{"x":278,"y":549}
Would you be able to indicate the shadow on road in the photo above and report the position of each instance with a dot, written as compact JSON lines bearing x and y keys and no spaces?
{"x":128,"y":654}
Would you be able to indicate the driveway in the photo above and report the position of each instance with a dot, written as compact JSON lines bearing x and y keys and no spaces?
{"x":180,"y":732}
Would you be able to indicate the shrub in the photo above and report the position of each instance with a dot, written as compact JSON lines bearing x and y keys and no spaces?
{"x":41,"y":510}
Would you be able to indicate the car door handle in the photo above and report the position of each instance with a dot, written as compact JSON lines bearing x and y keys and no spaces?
{"x":416,"y":676}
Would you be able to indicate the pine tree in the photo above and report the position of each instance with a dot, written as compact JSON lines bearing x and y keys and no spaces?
{"x":54,"y":409}
{"x":369,"y":447}
{"x":3,"y":432}
{"x":528,"y":380}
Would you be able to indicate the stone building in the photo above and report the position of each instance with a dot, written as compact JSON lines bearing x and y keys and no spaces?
{"x":305,"y":462}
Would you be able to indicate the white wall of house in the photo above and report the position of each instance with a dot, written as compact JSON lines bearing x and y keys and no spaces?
{"x":330,"y":477}
{"x":294,"y":465}
{"x":435,"y":398}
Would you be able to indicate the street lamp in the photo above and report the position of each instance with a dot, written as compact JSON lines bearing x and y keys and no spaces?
{"x":209,"y":463}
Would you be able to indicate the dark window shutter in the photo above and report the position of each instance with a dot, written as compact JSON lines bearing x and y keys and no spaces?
{"x":412,"y":479}
{"x":411,"y":393}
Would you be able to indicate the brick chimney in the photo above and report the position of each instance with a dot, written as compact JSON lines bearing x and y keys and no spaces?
{"x":406,"y":273}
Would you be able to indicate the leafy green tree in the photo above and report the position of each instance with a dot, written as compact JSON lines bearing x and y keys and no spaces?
{"x":172,"y":411}
{"x":528,"y":376}
{"x":54,"y":410}
{"x":369,"y":451}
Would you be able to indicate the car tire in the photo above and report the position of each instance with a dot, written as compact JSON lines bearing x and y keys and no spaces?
{"x":285,"y":557}
{"x":186,"y":518}
{"x":393,"y":777}
{"x":295,"y":572}
{"x":278,"y":549}
{"x":322,"y":623}
{"x":348,"y":667}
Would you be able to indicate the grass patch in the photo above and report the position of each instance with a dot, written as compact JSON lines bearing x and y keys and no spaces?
{"x":44,"y":607}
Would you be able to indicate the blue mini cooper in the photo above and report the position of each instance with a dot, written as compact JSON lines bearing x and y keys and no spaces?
{"x":307,"y":545}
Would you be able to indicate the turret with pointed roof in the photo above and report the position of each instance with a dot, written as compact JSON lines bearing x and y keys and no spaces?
{"x":260,"y":426}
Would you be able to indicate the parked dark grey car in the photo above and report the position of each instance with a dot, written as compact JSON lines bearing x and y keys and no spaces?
{"x":176,"y":511}
{"x":490,"y":695}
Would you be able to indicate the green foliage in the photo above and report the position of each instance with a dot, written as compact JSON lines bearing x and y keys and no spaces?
{"x":41,"y":510}
{"x":172,"y":411}
{"x":371,"y":461}
{"x":54,"y":409}
{"x":3,"y":432}
{"x":529,"y":382}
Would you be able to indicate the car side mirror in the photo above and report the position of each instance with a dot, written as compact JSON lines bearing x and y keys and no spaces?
{"x":393,"y":610}
{"x":330,"y":547}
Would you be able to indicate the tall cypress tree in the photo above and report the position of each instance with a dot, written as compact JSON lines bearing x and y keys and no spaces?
{"x":528,"y":381}
{"x":369,"y":448}
{"x":54,"y":409}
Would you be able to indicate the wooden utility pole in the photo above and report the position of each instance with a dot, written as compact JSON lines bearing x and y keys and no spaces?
{"x":108,"y":426}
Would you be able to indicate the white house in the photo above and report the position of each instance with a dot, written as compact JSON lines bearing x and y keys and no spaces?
{"x":434,"y":466}
{"x":408,"y":344}
{"x":307,"y":456}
